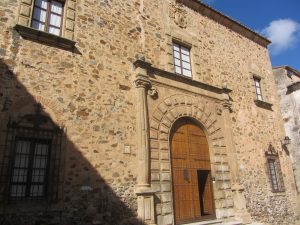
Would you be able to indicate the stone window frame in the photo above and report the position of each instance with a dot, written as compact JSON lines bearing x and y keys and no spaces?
{"x":67,"y":37}
{"x":260,"y":103}
{"x":38,"y":127}
{"x":259,"y":96}
{"x":48,"y":12}
{"x":29,"y":169}
{"x":182,"y":45}
{"x":188,"y":42}
{"x":272,"y":156}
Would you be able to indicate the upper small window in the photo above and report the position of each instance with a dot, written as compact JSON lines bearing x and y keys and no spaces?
{"x":47,"y":16}
{"x":182,"y":60}
{"x":257,"y":89}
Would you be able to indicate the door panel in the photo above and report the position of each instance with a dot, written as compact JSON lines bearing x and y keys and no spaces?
{"x":192,"y":188}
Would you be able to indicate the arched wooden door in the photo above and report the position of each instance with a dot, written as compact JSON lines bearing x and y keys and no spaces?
{"x":191,"y":173}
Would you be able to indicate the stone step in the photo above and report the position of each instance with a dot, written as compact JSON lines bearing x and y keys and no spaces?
{"x":208,"y":222}
{"x":214,"y":222}
{"x":255,"y":224}
{"x":219,"y":222}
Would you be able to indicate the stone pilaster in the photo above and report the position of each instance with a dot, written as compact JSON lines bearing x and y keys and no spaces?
{"x":241,"y":212}
{"x":145,"y":194}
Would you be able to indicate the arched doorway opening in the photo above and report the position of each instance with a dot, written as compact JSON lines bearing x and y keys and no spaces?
{"x":191,"y":173}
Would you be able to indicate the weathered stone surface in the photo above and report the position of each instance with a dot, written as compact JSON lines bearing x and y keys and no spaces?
{"x":90,"y":92}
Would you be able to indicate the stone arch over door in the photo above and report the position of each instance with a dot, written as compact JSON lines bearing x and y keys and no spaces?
{"x":207,"y":113}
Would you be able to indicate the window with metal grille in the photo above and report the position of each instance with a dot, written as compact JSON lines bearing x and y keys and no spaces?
{"x":47,"y":16}
{"x":257,"y":89}
{"x":31,"y":159}
{"x":274,"y":169}
{"x":273,"y":174}
{"x":182,"y":60}
{"x":30,"y":169}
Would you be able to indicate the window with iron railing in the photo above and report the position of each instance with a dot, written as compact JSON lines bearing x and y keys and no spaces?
{"x":274,"y":170}
{"x":31,"y":159}
{"x":30,"y":168}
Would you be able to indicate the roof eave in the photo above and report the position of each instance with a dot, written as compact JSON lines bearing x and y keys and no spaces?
{"x":225,"y":21}
{"x":296,"y":72}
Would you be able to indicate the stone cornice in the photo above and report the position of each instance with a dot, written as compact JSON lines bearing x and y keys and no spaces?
{"x":225,"y":21}
{"x":182,"y":79}
{"x":46,"y":38}
{"x":288,"y":68}
{"x":264,"y":104}
{"x":293,"y":87}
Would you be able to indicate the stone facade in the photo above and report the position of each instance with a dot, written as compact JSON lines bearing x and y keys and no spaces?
{"x":287,"y":81}
{"x":115,"y":97}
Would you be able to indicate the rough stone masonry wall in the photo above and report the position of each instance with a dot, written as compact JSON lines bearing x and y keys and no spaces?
{"x":220,"y":56}
{"x":289,"y":109}
{"x":94,"y":96}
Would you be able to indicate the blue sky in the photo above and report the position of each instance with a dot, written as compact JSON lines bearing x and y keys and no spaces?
{"x":278,"y":20}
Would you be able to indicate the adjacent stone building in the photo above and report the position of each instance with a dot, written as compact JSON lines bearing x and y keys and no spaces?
{"x":288,"y":84}
{"x":138,"y":112}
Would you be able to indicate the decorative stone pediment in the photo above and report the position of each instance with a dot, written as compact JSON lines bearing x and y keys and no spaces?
{"x":271,"y":151}
{"x":178,"y":14}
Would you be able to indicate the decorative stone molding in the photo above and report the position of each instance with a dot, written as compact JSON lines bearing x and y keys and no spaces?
{"x":263,"y":104}
{"x":50,"y":107}
{"x":44,"y":37}
{"x":143,"y":191}
{"x":239,"y":201}
{"x":178,"y":14}
{"x":153,"y":92}
{"x":142,"y":82}
{"x":147,"y":212}
{"x":227,"y":105}
{"x":148,"y":68}
{"x":162,"y":118}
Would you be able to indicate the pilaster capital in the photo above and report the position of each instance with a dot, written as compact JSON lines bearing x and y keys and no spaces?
{"x":142,"y":82}
{"x":227,"y":105}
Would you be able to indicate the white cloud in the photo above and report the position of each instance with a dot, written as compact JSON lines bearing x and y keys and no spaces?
{"x":283,"y":33}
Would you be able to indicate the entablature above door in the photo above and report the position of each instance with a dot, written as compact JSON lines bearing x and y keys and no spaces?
{"x":159,"y":77}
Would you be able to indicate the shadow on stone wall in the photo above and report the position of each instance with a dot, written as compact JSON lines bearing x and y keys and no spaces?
{"x":84,"y":197}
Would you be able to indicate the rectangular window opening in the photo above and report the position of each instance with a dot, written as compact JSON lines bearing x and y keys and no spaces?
{"x":30,"y":169}
{"x":257,"y":86}
{"x":47,"y":16}
{"x":182,"y":61}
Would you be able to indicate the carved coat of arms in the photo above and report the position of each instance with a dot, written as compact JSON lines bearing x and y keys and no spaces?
{"x":179,"y":14}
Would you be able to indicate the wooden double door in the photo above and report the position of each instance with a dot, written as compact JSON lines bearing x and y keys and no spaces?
{"x":191,"y":173}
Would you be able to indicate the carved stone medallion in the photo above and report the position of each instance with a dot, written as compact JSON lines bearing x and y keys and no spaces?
{"x":179,"y":14}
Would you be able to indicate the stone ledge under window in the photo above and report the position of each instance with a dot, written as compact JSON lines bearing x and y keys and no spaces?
{"x":44,"y":37}
{"x":293,"y":87}
{"x":263,"y":104}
